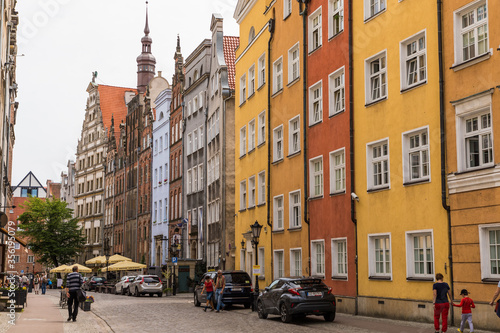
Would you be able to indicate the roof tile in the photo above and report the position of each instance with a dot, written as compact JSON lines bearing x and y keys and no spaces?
{"x":230,"y":45}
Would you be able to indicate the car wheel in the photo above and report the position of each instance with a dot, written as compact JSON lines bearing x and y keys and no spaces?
{"x":160,"y":294}
{"x":136,"y":294}
{"x":116,"y":292}
{"x":330,"y":316}
{"x":247,"y":305}
{"x":260,"y":311}
{"x":285,"y":315}
{"x":196,"y":302}
{"x":151,"y":295}
{"x":123,"y":291}
{"x":129,"y":292}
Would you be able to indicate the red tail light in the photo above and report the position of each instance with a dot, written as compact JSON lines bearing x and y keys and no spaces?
{"x":293,"y":291}
{"x":251,"y":290}
{"x":329,"y":291}
{"x":142,"y":281}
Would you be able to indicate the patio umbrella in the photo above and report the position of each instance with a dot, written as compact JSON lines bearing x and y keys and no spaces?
{"x":81,"y":269}
{"x":124,"y":266}
{"x":96,"y":260}
{"x":117,"y":258}
{"x":59,"y":269}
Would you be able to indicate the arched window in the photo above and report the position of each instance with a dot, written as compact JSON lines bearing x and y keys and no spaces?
{"x":195,"y":76}
{"x":161,"y":115}
{"x":251,"y":35}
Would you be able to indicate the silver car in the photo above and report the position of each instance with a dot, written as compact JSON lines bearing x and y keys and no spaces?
{"x":146,"y":284}
{"x":121,"y":287}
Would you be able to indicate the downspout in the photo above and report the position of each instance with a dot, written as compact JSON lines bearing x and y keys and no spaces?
{"x":230,"y":95}
{"x":183,"y":189}
{"x":442,"y":128}
{"x":304,"y":125}
{"x":6,"y":132}
{"x":351,"y":152}
{"x":271,"y":35}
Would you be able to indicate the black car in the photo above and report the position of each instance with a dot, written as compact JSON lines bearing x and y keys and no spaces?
{"x":93,"y":282}
{"x":288,"y":297}
{"x":238,"y":289}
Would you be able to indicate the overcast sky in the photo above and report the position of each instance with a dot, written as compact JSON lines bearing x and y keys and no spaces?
{"x":64,"y":41}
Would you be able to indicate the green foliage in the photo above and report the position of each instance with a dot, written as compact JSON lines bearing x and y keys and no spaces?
{"x":53,"y":234}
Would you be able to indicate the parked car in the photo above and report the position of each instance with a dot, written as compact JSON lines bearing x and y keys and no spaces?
{"x":146,"y":284}
{"x":238,"y":289}
{"x":121,"y":287}
{"x":297,"y":296}
{"x":94,"y":282}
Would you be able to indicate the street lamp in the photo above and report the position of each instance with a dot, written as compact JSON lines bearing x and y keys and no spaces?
{"x":106,"y":250}
{"x":174,"y":250}
{"x":256,"y":229}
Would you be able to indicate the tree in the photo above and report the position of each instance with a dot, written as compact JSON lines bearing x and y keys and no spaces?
{"x":53,"y":234}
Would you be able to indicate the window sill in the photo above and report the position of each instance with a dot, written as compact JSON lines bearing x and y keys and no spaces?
{"x":277,"y":93}
{"x":333,"y":36}
{"x":261,"y":144}
{"x":278,"y":231}
{"x":294,"y":154}
{"x":251,"y":95}
{"x":417,"y":182}
{"x":378,"y":189}
{"x":284,"y":18}
{"x":261,"y":86}
{"x":295,"y":229}
{"x":277,"y":161}
{"x":368,"y":19}
{"x":473,"y":180}
{"x":314,"y":50}
{"x":316,"y":123}
{"x":261,"y":204}
{"x":291,"y":83}
{"x":315,"y":197}
{"x":471,"y":62}
{"x":423,"y":279}
{"x":241,"y":156}
{"x":490,"y":280}
{"x":376,"y":102}
{"x":413,"y":87}
{"x":381,"y":278}
{"x":242,"y":210}
{"x":341,"y":278}
{"x":334,"y":194}
{"x":336,"y":114}
{"x":242,"y":103}
{"x":251,"y":151}
{"x":251,"y":207}
{"x":262,"y":277}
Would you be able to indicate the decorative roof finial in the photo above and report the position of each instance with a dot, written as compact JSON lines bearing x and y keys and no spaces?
{"x":178,"y":43}
{"x":146,"y":28}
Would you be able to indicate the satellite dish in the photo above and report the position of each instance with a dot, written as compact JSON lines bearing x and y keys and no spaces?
{"x":3,"y":219}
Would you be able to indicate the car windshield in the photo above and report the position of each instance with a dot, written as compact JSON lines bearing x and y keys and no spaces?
{"x":308,"y":283}
{"x":237,"y":278}
{"x":151,"y":279}
{"x":98,"y":279}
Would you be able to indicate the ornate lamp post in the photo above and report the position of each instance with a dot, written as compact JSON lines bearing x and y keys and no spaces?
{"x":174,"y":251}
{"x":106,"y":251}
{"x":256,"y":229}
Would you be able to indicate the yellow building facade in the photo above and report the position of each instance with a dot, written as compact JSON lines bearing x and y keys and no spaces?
{"x":402,"y":223}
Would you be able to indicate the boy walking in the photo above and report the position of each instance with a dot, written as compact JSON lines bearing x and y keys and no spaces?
{"x":441,"y":292}
{"x":466,"y":304}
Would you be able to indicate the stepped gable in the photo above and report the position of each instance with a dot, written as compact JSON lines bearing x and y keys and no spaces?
{"x":230,"y":45}
{"x":113,"y":105}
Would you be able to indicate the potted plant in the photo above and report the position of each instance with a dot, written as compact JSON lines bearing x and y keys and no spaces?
{"x":168,"y":291}
{"x":85,"y":306}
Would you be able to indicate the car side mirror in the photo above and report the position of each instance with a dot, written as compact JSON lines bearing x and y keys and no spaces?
{"x":266,"y":289}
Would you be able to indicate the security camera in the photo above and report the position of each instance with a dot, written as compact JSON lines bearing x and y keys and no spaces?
{"x":354,"y":196}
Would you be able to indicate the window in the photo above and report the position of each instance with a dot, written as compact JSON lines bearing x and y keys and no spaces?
{"x":489,"y":249}
{"x":200,"y":177}
{"x":201,"y":142}
{"x":251,"y":135}
{"x":318,"y":258}
{"x":287,"y":8}
{"x":337,"y":92}
{"x":262,"y":128}
{"x":420,"y":254}
{"x":278,"y":212}
{"x":315,"y":104}
{"x":279,"y":264}
{"x":378,"y":165}
{"x":471,"y":31}
{"x":315,"y":30}
{"x":194,"y":174}
{"x":262,"y":70}
{"x":243,"y":140}
{"x":339,"y":257}
{"x":278,"y":75}
{"x":335,"y":17}
{"x":293,"y":63}
{"x":189,"y":182}
{"x":294,"y":135}
{"x":295,"y":217}
{"x":278,"y":143}
{"x":373,"y":7}
{"x":262,"y":188}
{"x":262,"y":261}
{"x":379,"y":256}
{"x":337,"y":171}
{"x":156,"y":147}
{"x":416,"y":163}
{"x":251,"y":81}
{"x":413,"y":62}
{"x":251,"y":192}
{"x":376,"y":78}
{"x":316,"y":176}
{"x":243,"y":195}
{"x":242,"y":259}
{"x":195,"y":141}
{"x":190,"y":144}
{"x":31,"y":259}
{"x":296,"y":262}
{"x":243,"y":88}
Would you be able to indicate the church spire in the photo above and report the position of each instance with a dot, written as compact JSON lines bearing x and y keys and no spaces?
{"x":146,"y":61}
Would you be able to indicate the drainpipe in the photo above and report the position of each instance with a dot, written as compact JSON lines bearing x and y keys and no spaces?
{"x":442,"y":128}
{"x":351,"y":152}
{"x":271,"y":35}
{"x":228,"y":95}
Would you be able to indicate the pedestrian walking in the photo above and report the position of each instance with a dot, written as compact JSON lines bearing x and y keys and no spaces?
{"x":36,"y":284}
{"x":220,"y":285}
{"x":497,"y":309}
{"x":466,"y":304}
{"x":209,"y":288}
{"x":74,"y":282}
{"x":441,"y":292}
{"x":24,"y":280}
{"x":44,"y":283}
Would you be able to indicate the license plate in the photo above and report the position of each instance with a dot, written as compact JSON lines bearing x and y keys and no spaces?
{"x":236,"y":289}
{"x":314,"y":293}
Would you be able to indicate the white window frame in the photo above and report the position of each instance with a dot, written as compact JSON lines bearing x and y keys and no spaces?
{"x":262,"y":261}
{"x":243,"y":194}
{"x":195,"y":141}
{"x":336,"y":89}
{"x":287,"y":8}
{"x":417,"y":46}
{"x":189,"y":143}
{"x":315,"y":30}
{"x":294,"y":135}
{"x":316,"y":179}
{"x":473,"y":28}
{"x":276,"y":212}
{"x":261,"y":188}
{"x":251,"y":80}
{"x":262,"y":70}
{"x":484,"y":251}
{"x":279,"y":267}
{"x":370,"y":161}
{"x":243,"y":140}
{"x":317,"y":268}
{"x":410,"y":255}
{"x":337,"y":171}
{"x":189,"y":182}
{"x":294,"y":270}
{"x":251,"y":192}
{"x":251,"y":135}
{"x":335,"y":14}
{"x":190,"y":108}
{"x":419,"y":138}
{"x":372,"y":269}
{"x":316,"y":103}
{"x":374,"y":7}
{"x":379,"y":76}
{"x":277,"y":143}
{"x":278,"y":75}
{"x":294,"y":63}
{"x":243,"y":88}
{"x":339,"y":259}
{"x":292,"y":223}
{"x":262,"y":128}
